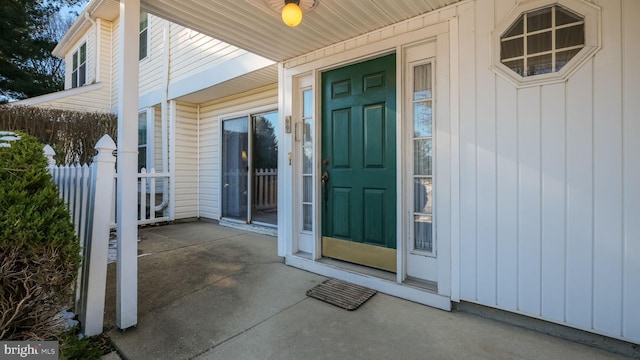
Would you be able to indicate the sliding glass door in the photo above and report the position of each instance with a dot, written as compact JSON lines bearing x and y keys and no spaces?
{"x":250,"y":168}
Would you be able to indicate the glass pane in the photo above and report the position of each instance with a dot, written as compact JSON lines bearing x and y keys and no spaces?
{"x":307,"y":160}
{"x":563,"y":57}
{"x":307,"y":188}
{"x":307,"y":218}
{"x":306,"y":132}
{"x":539,"y":43}
{"x":82,"y":74}
{"x":264,"y":205}
{"x":83,"y":53}
{"x":265,"y":141}
{"x":144,"y":20}
{"x":307,"y":105}
{"x":515,"y":29}
{"x":74,"y":78}
{"x":142,"y":157}
{"x":537,"y":65}
{"x":235,"y":166}
{"x":422,"y":119}
{"x":422,"y":195}
{"x":564,"y":16}
{"x":538,"y":20}
{"x":423,"y":233}
{"x":571,"y":36}
{"x":511,"y":48}
{"x":516,"y":65}
{"x":143,"y":45}
{"x":142,"y":128}
{"x":75,"y":60}
{"x":422,"y":157}
{"x":422,"y":82}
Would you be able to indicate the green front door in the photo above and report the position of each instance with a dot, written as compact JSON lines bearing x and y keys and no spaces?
{"x":359,"y":163}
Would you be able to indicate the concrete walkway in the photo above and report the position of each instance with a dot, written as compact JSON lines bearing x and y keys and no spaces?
{"x":212,"y":292}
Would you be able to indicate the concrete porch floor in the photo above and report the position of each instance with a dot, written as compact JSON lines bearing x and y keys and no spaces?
{"x":213,"y":292}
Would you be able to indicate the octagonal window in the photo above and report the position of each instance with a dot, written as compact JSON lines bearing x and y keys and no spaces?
{"x":542,"y":41}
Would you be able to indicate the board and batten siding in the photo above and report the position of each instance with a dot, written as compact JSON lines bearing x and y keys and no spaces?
{"x":549,"y":197}
{"x":210,"y":114}
{"x":186,"y":161}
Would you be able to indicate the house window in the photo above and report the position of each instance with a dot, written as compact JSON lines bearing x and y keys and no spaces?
{"x":542,"y":41}
{"x":144,"y":35}
{"x":79,"y":69}
{"x":423,"y":187}
{"x":540,"y":44}
{"x":307,"y":160}
{"x":142,"y":140}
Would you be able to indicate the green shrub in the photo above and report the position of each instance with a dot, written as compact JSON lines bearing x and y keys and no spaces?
{"x":39,"y":251}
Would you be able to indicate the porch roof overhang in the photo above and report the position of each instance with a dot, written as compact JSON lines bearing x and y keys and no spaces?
{"x":254,"y":26}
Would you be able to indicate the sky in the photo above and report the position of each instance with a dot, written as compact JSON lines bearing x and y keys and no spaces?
{"x":75,"y":9}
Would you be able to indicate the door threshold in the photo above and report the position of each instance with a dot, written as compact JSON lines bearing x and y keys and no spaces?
{"x":424,"y":284}
{"x":382,"y":281}
{"x":360,"y":269}
{"x":253,"y":227}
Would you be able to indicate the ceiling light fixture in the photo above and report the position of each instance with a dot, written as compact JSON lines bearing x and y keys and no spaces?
{"x":291,"y":12}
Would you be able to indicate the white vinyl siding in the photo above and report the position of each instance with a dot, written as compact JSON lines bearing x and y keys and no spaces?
{"x":186,"y":170}
{"x":151,"y":66}
{"x":115,"y":53}
{"x":192,"y":52}
{"x":96,"y":99}
{"x":157,"y":139}
{"x":106,"y":61}
{"x":210,"y":114}
{"x":548,"y":209}
{"x":94,"y":95}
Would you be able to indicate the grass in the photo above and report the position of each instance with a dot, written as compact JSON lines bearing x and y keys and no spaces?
{"x":88,"y":348}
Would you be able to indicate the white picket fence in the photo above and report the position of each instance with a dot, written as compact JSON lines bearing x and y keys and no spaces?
{"x":74,"y":185}
{"x":87,"y":191}
{"x":266,"y":188}
{"x":153,"y":197}
{"x":90,"y":194}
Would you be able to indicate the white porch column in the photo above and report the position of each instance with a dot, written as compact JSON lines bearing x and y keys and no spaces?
{"x":127,"y":204}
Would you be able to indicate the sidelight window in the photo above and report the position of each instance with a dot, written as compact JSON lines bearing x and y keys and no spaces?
{"x":423,"y":190}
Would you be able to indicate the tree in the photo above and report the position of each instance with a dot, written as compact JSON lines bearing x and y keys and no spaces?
{"x":266,"y":145}
{"x":30,"y":30}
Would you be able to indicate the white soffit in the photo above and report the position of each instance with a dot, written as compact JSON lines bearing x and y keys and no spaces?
{"x":254,"y":26}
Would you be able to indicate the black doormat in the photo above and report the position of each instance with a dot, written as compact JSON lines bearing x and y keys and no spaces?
{"x":342,"y":294}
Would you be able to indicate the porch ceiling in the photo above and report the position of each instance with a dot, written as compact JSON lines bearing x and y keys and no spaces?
{"x":254,"y":26}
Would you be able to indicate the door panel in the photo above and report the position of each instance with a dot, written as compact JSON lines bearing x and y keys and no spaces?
{"x":358,"y":154}
{"x":374,"y":136}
